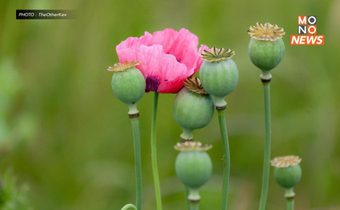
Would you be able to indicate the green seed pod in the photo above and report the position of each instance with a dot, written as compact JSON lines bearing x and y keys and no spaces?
{"x":266,"y":47}
{"x":287,"y":171}
{"x":266,"y":55}
{"x":193,"y":164}
{"x":218,"y":73}
{"x":193,"y":108}
{"x":128,"y":83}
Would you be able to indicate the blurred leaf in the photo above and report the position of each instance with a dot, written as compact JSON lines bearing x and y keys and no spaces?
{"x":12,"y":196}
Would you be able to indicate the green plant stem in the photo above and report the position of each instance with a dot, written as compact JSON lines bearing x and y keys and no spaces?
{"x":193,"y":205}
{"x":154,"y":163}
{"x":138,"y":161}
{"x":289,"y":195}
{"x":290,"y":203}
{"x":193,"y":199}
{"x":129,"y":206}
{"x":226,"y":168}
{"x":267,"y":147}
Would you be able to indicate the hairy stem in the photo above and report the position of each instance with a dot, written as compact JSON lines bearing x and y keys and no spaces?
{"x":226,"y":168}
{"x":267,"y":147}
{"x":154,"y":163}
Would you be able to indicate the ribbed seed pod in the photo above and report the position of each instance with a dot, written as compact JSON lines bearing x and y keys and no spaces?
{"x":128,"y":83}
{"x":193,"y":164}
{"x":219,"y":74}
{"x":266,"y":47}
{"x":193,"y":108}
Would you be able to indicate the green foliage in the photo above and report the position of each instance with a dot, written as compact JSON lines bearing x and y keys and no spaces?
{"x":9,"y":86}
{"x":20,"y":126}
{"x":12,"y":196}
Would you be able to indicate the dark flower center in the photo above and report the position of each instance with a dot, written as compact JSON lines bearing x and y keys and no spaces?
{"x":152,"y":84}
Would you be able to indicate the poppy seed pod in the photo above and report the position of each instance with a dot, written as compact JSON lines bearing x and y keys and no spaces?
{"x":219,"y":74}
{"x":193,"y":108}
{"x":128,"y":83}
{"x":287,"y":171}
{"x":266,"y":47}
{"x":193,"y":164}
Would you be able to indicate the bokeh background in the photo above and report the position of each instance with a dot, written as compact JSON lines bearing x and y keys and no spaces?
{"x":67,"y":139}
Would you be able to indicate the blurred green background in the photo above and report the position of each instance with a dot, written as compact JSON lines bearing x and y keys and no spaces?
{"x":65,"y":135}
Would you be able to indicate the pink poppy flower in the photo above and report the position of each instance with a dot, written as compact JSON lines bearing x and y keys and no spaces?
{"x":166,"y":58}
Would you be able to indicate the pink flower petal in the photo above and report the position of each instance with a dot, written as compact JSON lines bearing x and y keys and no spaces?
{"x":200,"y":51}
{"x":166,"y":57}
{"x":135,"y":42}
{"x":202,"y":48}
{"x":182,"y":44}
{"x":154,"y":63}
{"x":184,"y":48}
{"x":166,"y":38}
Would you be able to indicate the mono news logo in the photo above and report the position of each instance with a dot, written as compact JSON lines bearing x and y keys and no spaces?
{"x":307,"y":32}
